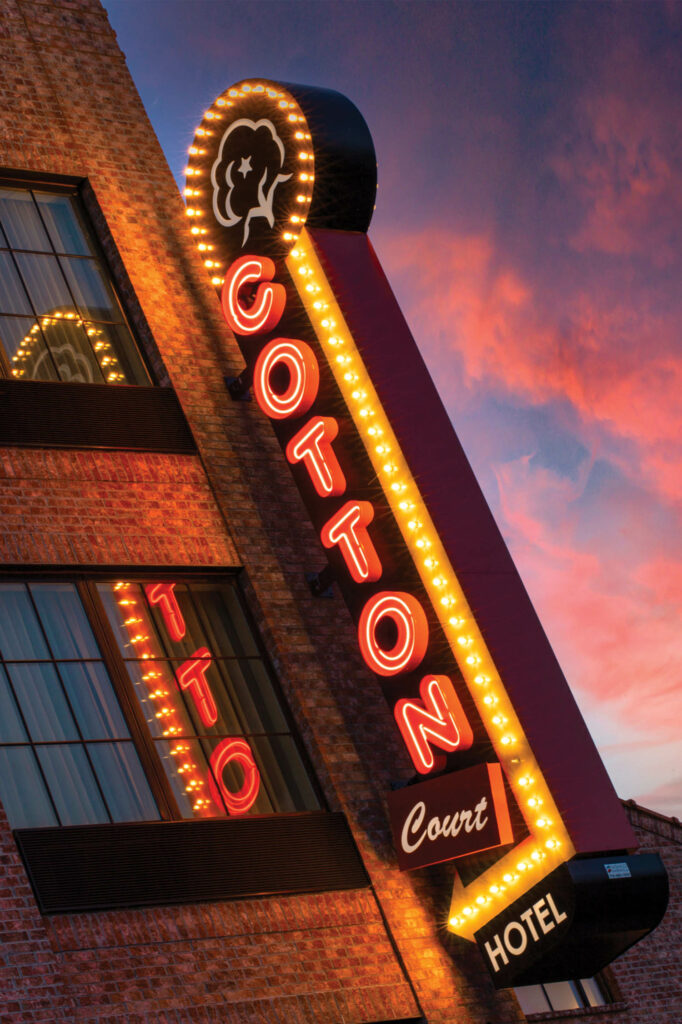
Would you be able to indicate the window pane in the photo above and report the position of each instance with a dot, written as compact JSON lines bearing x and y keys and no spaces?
{"x":229,"y":720}
{"x":117,"y":354}
{"x":42,"y":702}
{"x":20,"y":634}
{"x":59,"y":215}
{"x":72,"y":784}
{"x":251,"y":689}
{"x":71,"y":350}
{"x":22,"y":790}
{"x":162,"y":703}
{"x":128,"y":616}
{"x":13,"y":297}
{"x":563,"y":995}
{"x":25,"y":346}
{"x":93,"y":701}
{"x":232,"y":779}
{"x":283,"y":775}
{"x":21,"y":222}
{"x":123,"y":782}
{"x":45,"y":284}
{"x":188,"y":772}
{"x":63,"y":618}
{"x":11,"y":728}
{"x":223,"y":621}
{"x":92,"y":293}
{"x":596,"y":996}
{"x":532,"y":999}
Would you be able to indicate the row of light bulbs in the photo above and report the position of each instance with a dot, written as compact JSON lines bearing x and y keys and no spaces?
{"x":306,"y":176}
{"x":103,"y":351}
{"x":548,"y":840}
{"x":192,"y":780}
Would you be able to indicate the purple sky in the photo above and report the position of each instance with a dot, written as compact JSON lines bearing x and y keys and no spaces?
{"x":529,"y":217}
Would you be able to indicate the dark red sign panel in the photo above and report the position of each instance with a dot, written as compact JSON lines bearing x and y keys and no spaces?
{"x":454,"y":815}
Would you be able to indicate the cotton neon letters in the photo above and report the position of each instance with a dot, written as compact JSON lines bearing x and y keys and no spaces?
{"x":348,"y":529}
{"x":298,"y":360}
{"x":267,"y":307}
{"x":312,"y":445}
{"x":409,"y":620}
{"x":393,"y":631}
{"x":437,"y":720}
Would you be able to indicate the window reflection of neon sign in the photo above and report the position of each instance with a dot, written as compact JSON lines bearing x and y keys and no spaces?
{"x":191,"y":679}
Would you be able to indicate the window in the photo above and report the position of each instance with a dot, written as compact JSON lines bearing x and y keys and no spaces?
{"x":133,"y":701}
{"x":562,"y":995}
{"x":59,"y":316}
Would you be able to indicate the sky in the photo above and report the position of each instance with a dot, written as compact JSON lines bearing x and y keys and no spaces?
{"x":529,"y":219}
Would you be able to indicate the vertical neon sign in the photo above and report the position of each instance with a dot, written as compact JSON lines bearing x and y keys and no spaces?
{"x":302,"y":291}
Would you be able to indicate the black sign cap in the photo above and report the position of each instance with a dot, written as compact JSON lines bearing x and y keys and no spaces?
{"x":345,"y":160}
{"x":576,"y":920}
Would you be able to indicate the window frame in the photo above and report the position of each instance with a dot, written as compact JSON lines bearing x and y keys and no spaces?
{"x":77,"y":189}
{"x":85,"y":583}
{"x":605,"y":987}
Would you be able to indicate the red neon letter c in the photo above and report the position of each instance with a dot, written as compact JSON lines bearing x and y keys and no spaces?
{"x":268,"y":305}
{"x":409,"y":619}
{"x":304,"y":378}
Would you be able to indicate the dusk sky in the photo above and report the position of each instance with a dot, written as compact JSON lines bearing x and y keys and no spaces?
{"x":529,"y":218}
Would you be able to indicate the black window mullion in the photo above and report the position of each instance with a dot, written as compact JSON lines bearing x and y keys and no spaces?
{"x":130,"y":706}
{"x":5,"y":367}
{"x":65,"y":694}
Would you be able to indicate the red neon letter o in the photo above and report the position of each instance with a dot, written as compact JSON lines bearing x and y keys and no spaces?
{"x":304,"y":374}
{"x":266,"y":310}
{"x":233,"y":749}
{"x":413,"y":632}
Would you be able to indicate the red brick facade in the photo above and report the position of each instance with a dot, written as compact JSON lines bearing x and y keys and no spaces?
{"x":68,"y":106}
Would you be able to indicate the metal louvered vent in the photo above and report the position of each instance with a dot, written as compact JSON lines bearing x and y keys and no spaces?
{"x":106,"y":867}
{"x":60,"y":415}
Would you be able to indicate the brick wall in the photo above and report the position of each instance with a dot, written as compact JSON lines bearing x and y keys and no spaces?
{"x":67,"y":106}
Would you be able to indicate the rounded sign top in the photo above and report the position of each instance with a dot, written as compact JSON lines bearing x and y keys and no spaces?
{"x":269,"y":158}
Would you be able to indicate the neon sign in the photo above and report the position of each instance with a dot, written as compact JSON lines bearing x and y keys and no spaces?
{"x":334,"y":368}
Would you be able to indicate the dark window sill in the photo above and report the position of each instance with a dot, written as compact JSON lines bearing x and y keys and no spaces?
{"x":582,"y":1012}
{"x":111,"y":867}
{"x":47,"y":414}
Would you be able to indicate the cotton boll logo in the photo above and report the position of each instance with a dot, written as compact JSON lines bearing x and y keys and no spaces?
{"x":247,"y":173}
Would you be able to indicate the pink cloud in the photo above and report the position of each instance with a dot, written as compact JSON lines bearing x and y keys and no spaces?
{"x":614,"y":627}
{"x":619,"y":156}
{"x":617,"y":365}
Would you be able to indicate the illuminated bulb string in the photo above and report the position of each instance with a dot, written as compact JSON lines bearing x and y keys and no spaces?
{"x":300,"y":141}
{"x":104,"y":353}
{"x":172,"y":726}
{"x":548,"y":844}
